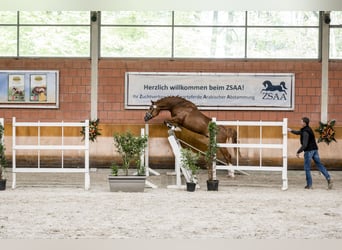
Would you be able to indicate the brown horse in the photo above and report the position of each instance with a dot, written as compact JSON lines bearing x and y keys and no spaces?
{"x":186,"y":114}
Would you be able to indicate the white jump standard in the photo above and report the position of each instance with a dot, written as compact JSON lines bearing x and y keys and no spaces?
{"x":282,"y":146}
{"x":62,"y":147}
{"x":179,"y":169}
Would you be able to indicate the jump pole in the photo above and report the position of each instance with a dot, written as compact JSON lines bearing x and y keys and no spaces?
{"x":144,"y":158}
{"x":179,"y":169}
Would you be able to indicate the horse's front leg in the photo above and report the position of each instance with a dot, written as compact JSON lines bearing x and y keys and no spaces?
{"x":172,"y":125}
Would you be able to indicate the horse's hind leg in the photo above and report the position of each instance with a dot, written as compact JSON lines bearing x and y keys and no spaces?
{"x":232,"y":134}
{"x":228,"y":159}
{"x":226,"y":155}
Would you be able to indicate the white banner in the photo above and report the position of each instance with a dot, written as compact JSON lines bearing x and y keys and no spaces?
{"x":213,"y":91}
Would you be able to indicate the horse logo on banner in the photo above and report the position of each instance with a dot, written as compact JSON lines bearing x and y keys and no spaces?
{"x":270,"y":87}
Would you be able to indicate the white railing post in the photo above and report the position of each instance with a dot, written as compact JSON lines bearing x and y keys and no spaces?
{"x":177,"y":153}
{"x":237,"y":142}
{"x":86,"y":157}
{"x":260,"y":142}
{"x":147,"y":163}
{"x":143,"y":155}
{"x":144,"y":159}
{"x":38,"y":142}
{"x":62,"y":145}
{"x":284,"y":171}
{"x":179,"y":168}
{"x":14,"y":176}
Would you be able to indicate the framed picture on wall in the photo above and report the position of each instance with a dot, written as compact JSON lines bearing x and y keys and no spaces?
{"x":29,"y":89}
{"x":16,"y":88}
{"x":38,"y":88}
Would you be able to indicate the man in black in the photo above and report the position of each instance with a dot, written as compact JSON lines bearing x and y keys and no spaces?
{"x":310,"y":148}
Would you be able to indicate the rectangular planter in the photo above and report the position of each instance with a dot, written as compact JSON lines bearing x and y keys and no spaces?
{"x":131,"y":183}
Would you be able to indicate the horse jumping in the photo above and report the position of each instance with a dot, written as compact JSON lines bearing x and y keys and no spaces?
{"x":186,"y":114}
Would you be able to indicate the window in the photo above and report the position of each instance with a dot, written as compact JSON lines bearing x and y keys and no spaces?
{"x":45,"y":33}
{"x":136,"y":34}
{"x":283,"y":34}
{"x":169,"y":34}
{"x":335,"y":46}
{"x":210,"y":34}
{"x":8,"y":31}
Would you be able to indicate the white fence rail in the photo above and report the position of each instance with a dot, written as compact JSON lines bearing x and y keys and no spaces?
{"x":282,"y":146}
{"x":38,"y":146}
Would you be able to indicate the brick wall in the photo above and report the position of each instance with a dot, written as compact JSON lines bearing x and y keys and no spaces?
{"x":75,"y":87}
{"x":307,"y":92}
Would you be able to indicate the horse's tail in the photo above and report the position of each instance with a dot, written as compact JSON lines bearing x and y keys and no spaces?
{"x":232,"y":134}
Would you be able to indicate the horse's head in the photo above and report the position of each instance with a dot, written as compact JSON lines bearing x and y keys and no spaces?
{"x":152,"y":112}
{"x":267,"y":83}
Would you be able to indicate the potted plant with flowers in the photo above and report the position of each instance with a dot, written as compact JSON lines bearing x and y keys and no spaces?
{"x":210,"y":156}
{"x":130,"y":148}
{"x":3,"y":161}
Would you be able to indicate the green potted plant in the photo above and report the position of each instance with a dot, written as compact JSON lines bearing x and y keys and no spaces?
{"x":210,"y":156}
{"x":189,"y":161}
{"x":130,"y":148}
{"x":3,"y":161}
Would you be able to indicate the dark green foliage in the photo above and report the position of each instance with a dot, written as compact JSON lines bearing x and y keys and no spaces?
{"x":130,"y":148}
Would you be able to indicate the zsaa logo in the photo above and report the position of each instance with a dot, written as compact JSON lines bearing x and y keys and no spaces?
{"x":274,"y":92}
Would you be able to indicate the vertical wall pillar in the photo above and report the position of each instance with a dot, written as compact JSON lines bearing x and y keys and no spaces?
{"x":325,"y":67}
{"x":95,"y":34}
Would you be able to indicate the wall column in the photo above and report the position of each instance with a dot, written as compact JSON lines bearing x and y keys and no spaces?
{"x":325,"y":68}
{"x":95,"y":34}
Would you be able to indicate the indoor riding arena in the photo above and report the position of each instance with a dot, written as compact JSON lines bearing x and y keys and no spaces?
{"x":93,"y":99}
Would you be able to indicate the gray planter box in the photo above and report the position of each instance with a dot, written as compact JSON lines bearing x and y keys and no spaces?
{"x":131,"y":183}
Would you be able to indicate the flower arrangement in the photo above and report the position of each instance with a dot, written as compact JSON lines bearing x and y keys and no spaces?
{"x":93,"y":130}
{"x":326,"y":132}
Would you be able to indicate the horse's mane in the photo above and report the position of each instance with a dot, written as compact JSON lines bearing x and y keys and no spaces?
{"x":176,"y":100}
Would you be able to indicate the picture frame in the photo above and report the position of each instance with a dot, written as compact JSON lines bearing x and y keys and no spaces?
{"x":29,"y":89}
